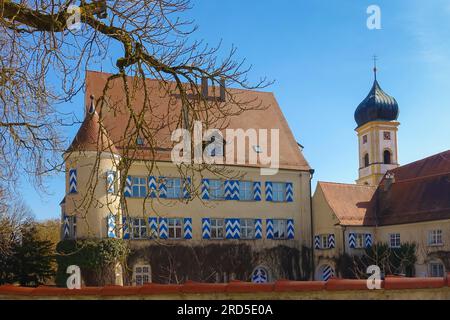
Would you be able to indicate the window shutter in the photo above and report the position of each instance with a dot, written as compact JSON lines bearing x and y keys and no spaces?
{"x":125,"y":228}
{"x":290,"y":229}
{"x":269,"y":191}
{"x":206,"y":228}
{"x":289,"y":192}
{"x":186,"y":187}
{"x":110,"y":180}
{"x":111,"y":225}
{"x":153,"y":227}
{"x":73,"y":181}
{"x":162,"y":187}
{"x":331,"y":241}
{"x":231,"y":190}
{"x":258,"y":228}
{"x":269,"y":228}
{"x":316,"y":242}
{"x":352,"y":240}
{"x":128,"y":184}
{"x":152,"y":187}
{"x":187,"y":228}
{"x":66,"y":227}
{"x":257,"y":191}
{"x":232,"y":229}
{"x":163,"y":230}
{"x":205,"y":189}
{"x":368,"y":240}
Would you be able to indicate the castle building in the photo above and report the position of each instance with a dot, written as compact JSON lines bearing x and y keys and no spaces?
{"x":192,"y":226}
{"x":389,"y":204}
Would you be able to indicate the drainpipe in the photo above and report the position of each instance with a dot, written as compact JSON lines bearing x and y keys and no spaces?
{"x":311,"y":172}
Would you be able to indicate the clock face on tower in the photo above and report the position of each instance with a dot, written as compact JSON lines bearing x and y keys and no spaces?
{"x":387,"y":135}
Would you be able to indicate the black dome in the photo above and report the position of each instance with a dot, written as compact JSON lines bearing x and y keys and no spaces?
{"x":376,"y":106}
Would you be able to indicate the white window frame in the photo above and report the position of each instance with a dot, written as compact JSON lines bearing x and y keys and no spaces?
{"x":141,"y":184}
{"x":139,"y":225}
{"x":216,"y":189}
{"x":324,"y":244}
{"x":142,"y":274}
{"x":247,"y":228}
{"x":174,"y":187}
{"x":246,"y":191}
{"x":175,"y":227}
{"x":280,"y":229}
{"x":217,"y":228}
{"x":359,"y":241}
{"x":432,"y":271}
{"x":278,"y":191}
{"x":395,"y":240}
{"x":435,"y":237}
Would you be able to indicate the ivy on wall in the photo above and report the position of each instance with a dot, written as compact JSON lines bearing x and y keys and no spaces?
{"x":391,"y":261}
{"x":95,"y":257}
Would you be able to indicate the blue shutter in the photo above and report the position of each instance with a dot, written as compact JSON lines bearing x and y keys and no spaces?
{"x":331,"y":241}
{"x":66,"y":227}
{"x":163,"y":229}
{"x":206,"y":228}
{"x":187,"y":228}
{"x":110,"y":179}
{"x":368,"y":240}
{"x":289,"y":192}
{"x":269,"y":228}
{"x":152,"y":187}
{"x":205,"y":189}
{"x":352,"y":240}
{"x":153,"y":227}
{"x":290,"y":228}
{"x":327,"y":273}
{"x":162,"y":187}
{"x":231,"y":190}
{"x":257,"y":191}
{"x":186,"y":187}
{"x":128,"y":184}
{"x":125,"y":228}
{"x":258,"y":228}
{"x":316,"y":242}
{"x":269,"y":191}
{"x":232,"y":229}
{"x":73,"y":181}
{"x":111,"y":225}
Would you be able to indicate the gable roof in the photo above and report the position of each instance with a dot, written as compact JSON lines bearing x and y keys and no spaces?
{"x":350,"y":203}
{"x":164,"y":114}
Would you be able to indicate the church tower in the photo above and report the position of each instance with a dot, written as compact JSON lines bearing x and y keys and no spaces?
{"x":377,"y":126}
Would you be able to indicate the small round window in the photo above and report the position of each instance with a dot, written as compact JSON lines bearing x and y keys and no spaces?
{"x":260,"y":275}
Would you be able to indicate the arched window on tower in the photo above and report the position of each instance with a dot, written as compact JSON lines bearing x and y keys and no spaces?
{"x":387,"y":157}
{"x":366,"y":160}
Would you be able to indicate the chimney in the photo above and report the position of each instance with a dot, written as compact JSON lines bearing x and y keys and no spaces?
{"x":388,"y":181}
{"x":205,"y":87}
{"x":222,"y":89}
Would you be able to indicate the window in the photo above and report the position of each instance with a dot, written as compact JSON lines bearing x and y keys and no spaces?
{"x":139,"y":228}
{"x":279,"y":191}
{"x":324,"y":241}
{"x":142,"y":274}
{"x":139,"y":141}
{"x":394,"y":240}
{"x":111,"y":182}
{"x":387,"y":157}
{"x":436,"y":269}
{"x":387,"y":135}
{"x":173,"y":186}
{"x":260,"y":275}
{"x":364,"y":139}
{"x":139,"y":187}
{"x":359,"y":240}
{"x":217,"y":228}
{"x":366,"y":160}
{"x":247,"y":228}
{"x":175,"y":227}
{"x":435,"y":238}
{"x":216,"y":189}
{"x":72,"y":227}
{"x":245,"y":190}
{"x":279,"y":228}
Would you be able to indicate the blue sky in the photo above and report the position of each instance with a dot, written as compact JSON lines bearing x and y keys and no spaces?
{"x":320,"y":55}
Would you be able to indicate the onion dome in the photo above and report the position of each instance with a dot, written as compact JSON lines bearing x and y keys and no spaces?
{"x":377,"y":106}
{"x":92,"y":136}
